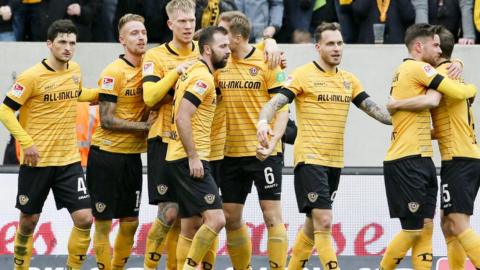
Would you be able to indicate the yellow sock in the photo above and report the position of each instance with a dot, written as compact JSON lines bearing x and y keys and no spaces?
{"x":183,"y":246}
{"x":398,"y":247}
{"x":422,"y":256}
{"x":239,"y":248}
{"x":172,"y":240}
{"x":208,"y":262}
{"x":123,"y":244}
{"x":326,"y":253}
{"x":470,"y":242}
{"x":456,"y":254}
{"x":22,"y":251}
{"x":78,"y":247}
{"x":101,"y":244}
{"x":201,"y":243}
{"x":301,"y":251}
{"x":277,"y":246}
{"x":155,"y":244}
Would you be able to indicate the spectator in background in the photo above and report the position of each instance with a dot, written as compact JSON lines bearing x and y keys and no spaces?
{"x":6,"y":29}
{"x":421,"y":10}
{"x":456,"y":16}
{"x":103,"y":30}
{"x":392,"y":16}
{"x":346,"y":20}
{"x":29,"y":20}
{"x":207,"y":12}
{"x":80,"y":12}
{"x":265,"y":15}
{"x":476,"y":19}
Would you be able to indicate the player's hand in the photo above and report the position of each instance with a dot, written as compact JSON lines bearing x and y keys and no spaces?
{"x":272,"y":53}
{"x":152,"y":117}
{"x":391,"y":105}
{"x":74,"y":10}
{"x":263,"y":133}
{"x":6,"y":13}
{"x":283,"y":60}
{"x":264,"y":152}
{"x":31,"y":156}
{"x":269,"y":31}
{"x":196,"y":167}
{"x":184,"y":66}
{"x":455,"y":70}
{"x":466,"y":41}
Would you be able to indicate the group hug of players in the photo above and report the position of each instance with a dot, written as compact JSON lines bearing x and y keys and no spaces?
{"x":215,"y":111}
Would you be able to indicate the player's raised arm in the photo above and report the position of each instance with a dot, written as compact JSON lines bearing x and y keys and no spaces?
{"x":430,"y":100}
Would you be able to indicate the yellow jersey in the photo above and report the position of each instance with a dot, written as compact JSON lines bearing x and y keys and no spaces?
{"x":453,"y":124}
{"x":197,"y":86}
{"x":246,"y":85}
{"x":47,"y":100}
{"x":322,"y":101}
{"x":218,"y":136}
{"x":157,"y":62}
{"x":121,"y":82}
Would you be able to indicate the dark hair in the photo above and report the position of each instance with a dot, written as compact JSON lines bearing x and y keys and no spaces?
{"x":61,"y":27}
{"x":418,"y":30}
{"x":326,"y":26}
{"x":206,"y":36}
{"x":447,"y":41}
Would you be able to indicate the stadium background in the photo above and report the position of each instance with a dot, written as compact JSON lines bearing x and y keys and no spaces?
{"x":362,"y":226}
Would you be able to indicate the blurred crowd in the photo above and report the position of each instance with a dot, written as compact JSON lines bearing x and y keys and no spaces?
{"x":289,"y":21}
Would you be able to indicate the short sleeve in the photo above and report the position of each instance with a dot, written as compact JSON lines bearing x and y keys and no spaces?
{"x":21,"y":90}
{"x":292,"y":86}
{"x":110,"y":85}
{"x":151,"y":69}
{"x":426,"y":75}
{"x":274,"y":80}
{"x":198,"y":89}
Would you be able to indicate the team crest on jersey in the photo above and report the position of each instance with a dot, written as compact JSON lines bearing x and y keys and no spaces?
{"x":209,"y":198}
{"x":162,"y":189}
{"x":429,"y":70}
{"x":76,"y":79}
{"x":312,"y":196}
{"x":413,"y":207}
{"x":200,"y":87}
{"x":253,"y":71}
{"x":23,"y":199}
{"x":108,"y":83}
{"x":147,"y":68}
{"x":100,"y":207}
{"x":347,"y":85}
{"x":17,"y":90}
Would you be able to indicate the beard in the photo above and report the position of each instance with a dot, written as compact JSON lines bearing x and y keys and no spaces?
{"x":219,"y":61}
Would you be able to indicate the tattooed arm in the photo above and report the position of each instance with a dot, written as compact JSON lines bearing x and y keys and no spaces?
{"x":379,"y":113}
{"x":266,"y":115}
{"x":110,"y":122}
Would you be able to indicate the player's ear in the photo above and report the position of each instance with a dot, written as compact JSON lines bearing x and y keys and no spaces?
{"x":49,"y":44}
{"x":170,"y":24}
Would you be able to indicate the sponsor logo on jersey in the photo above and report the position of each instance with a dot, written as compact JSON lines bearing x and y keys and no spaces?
{"x":200,"y":87}
{"x":100,"y":207}
{"x":162,"y":189}
{"x":17,"y":90}
{"x":108,"y":83}
{"x":23,"y":199}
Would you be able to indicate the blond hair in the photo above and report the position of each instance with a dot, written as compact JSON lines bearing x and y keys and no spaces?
{"x":239,"y":23}
{"x":129,"y":17}
{"x":179,"y":5}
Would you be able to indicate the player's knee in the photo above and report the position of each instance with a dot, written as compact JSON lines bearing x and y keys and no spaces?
{"x":232,"y":221}
{"x":272,"y":217}
{"x":321,"y":220}
{"x":28,"y":223}
{"x":411,"y":223}
{"x":83,"y":221}
{"x":215,"y":220}
{"x":167,"y":213}
{"x":458,"y":225}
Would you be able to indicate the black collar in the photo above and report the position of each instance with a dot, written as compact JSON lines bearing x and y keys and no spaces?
{"x":122,"y":56}
{"x":444,"y":62}
{"x":205,"y":63}
{"x":44,"y":63}
{"x":321,"y":69}
{"x":250,"y":53}
{"x":174,"y":52}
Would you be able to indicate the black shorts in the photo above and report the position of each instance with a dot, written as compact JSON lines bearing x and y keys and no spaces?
{"x":67,"y":183}
{"x":215,"y":166}
{"x":460,"y":183}
{"x":315,"y":186}
{"x":115,"y":183}
{"x":238,"y":173}
{"x":411,"y":187}
{"x":160,"y":179}
{"x":194,"y":195}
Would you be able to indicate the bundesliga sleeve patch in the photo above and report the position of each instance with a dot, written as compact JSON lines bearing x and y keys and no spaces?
{"x":429,"y":70}
{"x":288,"y":81}
{"x":280,"y":76}
{"x":200,"y":87}
{"x":17,"y":90}
{"x":147,"y":68}
{"x":108,"y":83}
